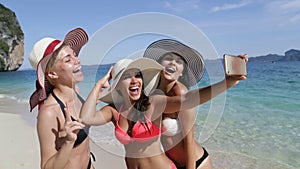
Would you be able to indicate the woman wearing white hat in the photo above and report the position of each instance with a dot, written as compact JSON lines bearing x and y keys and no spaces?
{"x":64,"y":141}
{"x":136,"y":127}
{"x":135,"y":108}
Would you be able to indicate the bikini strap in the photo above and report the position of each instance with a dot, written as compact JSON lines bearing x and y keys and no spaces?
{"x":61,"y":104}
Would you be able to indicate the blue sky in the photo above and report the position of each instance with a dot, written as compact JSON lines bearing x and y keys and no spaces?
{"x":255,"y":27}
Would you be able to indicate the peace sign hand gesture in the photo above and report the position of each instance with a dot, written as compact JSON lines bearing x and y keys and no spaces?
{"x":71,"y":127}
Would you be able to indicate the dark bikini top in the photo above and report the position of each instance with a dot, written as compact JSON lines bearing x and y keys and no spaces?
{"x":140,"y":132}
{"x":83,"y":133}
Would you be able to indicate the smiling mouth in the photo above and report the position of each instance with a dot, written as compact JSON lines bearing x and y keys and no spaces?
{"x":169,"y":70}
{"x":77,"y":70}
{"x":134,"y":90}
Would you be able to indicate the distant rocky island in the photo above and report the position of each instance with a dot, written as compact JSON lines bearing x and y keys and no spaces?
{"x":290,"y":55}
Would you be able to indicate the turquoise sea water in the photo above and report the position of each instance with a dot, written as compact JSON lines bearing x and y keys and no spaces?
{"x":260,"y":118}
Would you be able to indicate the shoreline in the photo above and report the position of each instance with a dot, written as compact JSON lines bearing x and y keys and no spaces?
{"x":20,"y":147}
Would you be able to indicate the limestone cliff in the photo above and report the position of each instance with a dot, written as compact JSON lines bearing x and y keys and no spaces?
{"x":11,"y":41}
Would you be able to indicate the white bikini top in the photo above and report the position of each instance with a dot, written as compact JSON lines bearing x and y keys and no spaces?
{"x":170,"y":126}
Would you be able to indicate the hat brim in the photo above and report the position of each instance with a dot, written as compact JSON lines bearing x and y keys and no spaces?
{"x":195,"y":61}
{"x":150,"y":70}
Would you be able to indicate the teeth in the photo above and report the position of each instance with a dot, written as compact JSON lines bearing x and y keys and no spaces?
{"x":134,"y":88}
{"x":170,"y":70}
{"x":77,"y":69}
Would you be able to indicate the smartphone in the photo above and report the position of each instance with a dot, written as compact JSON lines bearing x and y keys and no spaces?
{"x":234,"y":65}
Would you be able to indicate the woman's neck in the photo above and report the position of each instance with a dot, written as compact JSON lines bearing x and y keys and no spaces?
{"x":66,"y":93}
{"x":166,"y":85}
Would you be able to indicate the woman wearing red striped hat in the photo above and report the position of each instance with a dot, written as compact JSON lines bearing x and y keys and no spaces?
{"x":64,"y":141}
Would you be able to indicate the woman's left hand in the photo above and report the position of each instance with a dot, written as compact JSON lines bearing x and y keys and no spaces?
{"x":234,"y":80}
{"x":104,"y":81}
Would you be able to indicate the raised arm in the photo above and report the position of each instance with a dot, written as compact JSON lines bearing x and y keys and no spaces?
{"x":195,"y":97}
{"x":210,"y":92}
{"x":88,"y":113}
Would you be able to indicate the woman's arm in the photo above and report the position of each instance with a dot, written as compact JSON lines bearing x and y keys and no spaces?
{"x":195,"y":97}
{"x":170,"y":104}
{"x":198,"y":96}
{"x":88,"y":113}
{"x":187,"y":119}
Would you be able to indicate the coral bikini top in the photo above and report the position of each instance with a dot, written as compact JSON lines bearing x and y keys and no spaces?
{"x":140,"y":132}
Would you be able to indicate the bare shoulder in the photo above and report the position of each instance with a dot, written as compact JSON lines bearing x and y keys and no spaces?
{"x":49,"y":110}
{"x":180,"y":89}
{"x":50,"y":114}
{"x":111,"y":110}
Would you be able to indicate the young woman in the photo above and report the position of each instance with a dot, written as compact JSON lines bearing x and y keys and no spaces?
{"x":64,"y":143}
{"x":183,"y":67}
{"x":136,"y":126}
{"x":137,"y":112}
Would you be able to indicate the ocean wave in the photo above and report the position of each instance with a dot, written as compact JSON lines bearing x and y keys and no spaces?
{"x":14,"y":98}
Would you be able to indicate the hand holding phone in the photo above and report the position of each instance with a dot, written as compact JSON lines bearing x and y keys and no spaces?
{"x":234,"y":65}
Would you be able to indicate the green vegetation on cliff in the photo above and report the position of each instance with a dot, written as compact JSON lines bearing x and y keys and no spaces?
{"x":9,"y":23}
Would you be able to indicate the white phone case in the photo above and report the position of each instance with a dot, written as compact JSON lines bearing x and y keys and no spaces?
{"x":234,"y":65}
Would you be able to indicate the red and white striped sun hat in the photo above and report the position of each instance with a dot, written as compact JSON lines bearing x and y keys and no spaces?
{"x":40,"y":55}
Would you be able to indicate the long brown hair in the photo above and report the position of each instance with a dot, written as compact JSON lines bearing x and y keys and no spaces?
{"x":139,"y":110}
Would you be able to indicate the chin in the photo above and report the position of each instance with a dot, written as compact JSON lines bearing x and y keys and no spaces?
{"x":168,"y":78}
{"x":136,"y":97}
{"x":77,"y":80}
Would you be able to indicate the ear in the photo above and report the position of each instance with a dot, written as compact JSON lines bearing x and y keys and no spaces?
{"x":53,"y":75}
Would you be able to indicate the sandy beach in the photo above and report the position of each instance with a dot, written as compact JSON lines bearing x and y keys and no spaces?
{"x":19,"y":142}
{"x":20,"y":147}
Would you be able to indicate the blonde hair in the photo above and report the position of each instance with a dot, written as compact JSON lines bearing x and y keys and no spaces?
{"x":52,"y":61}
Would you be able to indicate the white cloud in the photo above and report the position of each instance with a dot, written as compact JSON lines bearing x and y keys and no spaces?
{"x":230,"y":6}
{"x":284,"y":6}
{"x":294,"y":19}
{"x":180,"y":6}
{"x":293,"y":5}
{"x":288,"y":11}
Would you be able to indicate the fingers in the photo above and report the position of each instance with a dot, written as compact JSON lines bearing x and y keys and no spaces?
{"x":236,"y":78}
{"x":104,"y":81}
{"x":107,"y":78}
{"x":109,"y":71}
{"x":244,"y":56}
{"x":68,"y":115}
{"x":72,"y":127}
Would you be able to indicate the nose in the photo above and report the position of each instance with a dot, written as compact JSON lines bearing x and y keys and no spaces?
{"x":134,"y":80}
{"x":77,"y":60}
{"x":172,"y":62}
